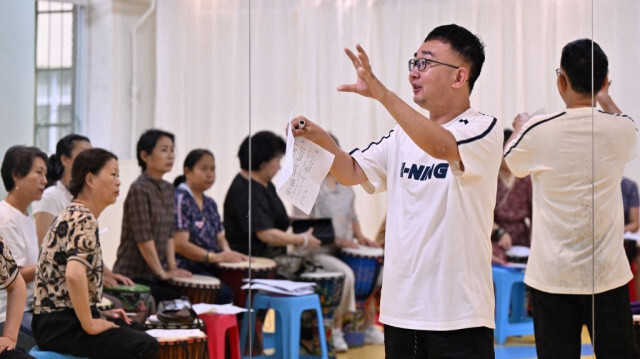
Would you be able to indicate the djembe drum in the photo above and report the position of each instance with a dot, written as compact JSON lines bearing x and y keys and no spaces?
{"x":365,"y":263}
{"x":192,"y":344}
{"x":198,"y":288}
{"x":518,"y":254}
{"x":328,"y":287}
{"x":234,"y":273}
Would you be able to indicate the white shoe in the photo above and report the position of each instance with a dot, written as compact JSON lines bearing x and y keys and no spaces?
{"x":373,"y":336}
{"x":337,"y":340}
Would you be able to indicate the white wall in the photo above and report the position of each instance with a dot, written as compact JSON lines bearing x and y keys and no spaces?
{"x":109,"y":76}
{"x":17,"y":74}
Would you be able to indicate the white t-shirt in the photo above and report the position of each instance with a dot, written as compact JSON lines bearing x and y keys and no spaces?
{"x":19,"y":233}
{"x":437,"y":265}
{"x":54,"y":200}
{"x":575,"y":162}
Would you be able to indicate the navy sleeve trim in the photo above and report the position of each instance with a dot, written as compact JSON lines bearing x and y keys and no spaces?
{"x":371,"y":144}
{"x":529,"y":129}
{"x":486,"y":132}
{"x":619,"y":115}
{"x":616,"y":114}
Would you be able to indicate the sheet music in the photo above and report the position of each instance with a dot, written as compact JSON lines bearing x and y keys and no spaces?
{"x":304,"y":169}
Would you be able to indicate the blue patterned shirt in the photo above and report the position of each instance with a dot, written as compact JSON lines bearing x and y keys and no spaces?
{"x":203,"y":225}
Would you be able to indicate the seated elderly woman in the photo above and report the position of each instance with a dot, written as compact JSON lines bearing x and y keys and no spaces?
{"x":199,"y":236}
{"x":69,"y":274}
{"x":269,"y":218}
{"x":57,"y":197}
{"x":24,"y":172}
{"x":146,"y":253}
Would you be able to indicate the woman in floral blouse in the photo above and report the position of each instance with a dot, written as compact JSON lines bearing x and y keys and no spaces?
{"x":69,"y":274}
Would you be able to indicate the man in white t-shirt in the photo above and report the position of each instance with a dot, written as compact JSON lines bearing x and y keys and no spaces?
{"x":440,"y":174}
{"x":576,"y":158}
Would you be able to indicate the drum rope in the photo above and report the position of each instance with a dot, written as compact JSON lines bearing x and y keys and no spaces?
{"x":185,"y":349}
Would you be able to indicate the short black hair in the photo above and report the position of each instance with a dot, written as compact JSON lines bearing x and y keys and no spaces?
{"x":265,"y":146}
{"x":190,"y":161}
{"x":148,"y":142}
{"x":64,"y":147}
{"x":18,"y":161}
{"x":576,"y":62}
{"x":466,"y":44}
{"x":89,"y":161}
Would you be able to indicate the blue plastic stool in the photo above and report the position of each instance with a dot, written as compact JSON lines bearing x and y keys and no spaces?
{"x":288,"y":313}
{"x":510,"y":295}
{"x":39,"y":354}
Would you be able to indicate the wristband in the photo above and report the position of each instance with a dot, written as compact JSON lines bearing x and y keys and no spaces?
{"x":206,"y":257}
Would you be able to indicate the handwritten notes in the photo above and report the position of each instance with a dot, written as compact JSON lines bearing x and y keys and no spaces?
{"x":305,"y":166}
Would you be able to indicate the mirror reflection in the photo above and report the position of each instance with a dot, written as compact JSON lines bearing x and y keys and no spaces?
{"x":214,"y":76}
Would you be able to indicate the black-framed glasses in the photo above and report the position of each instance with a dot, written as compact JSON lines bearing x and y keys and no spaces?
{"x":558,"y":72}
{"x":422,"y":63}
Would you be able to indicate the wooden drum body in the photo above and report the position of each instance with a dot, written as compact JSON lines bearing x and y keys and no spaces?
{"x":233,"y":274}
{"x":198,"y":288}
{"x":188,"y":347}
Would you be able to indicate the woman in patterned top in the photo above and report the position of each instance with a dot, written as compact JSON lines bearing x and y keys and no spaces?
{"x":11,"y":280}
{"x":199,"y":235}
{"x":69,"y":275}
{"x":146,"y":253}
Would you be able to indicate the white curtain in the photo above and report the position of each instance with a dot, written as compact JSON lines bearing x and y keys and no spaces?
{"x":214,"y":82}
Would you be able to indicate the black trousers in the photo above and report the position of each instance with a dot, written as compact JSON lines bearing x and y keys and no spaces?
{"x":468,"y":343}
{"x":558,"y":321}
{"x":15,"y":354}
{"x":62,"y":332}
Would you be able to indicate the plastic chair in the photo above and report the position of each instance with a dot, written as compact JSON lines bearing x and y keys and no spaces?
{"x":217,"y":326}
{"x":510,"y":295}
{"x":288,"y":314}
{"x":40,"y":354}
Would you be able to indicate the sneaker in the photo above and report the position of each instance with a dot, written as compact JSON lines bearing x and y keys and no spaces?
{"x":373,"y":336}
{"x":337,"y":340}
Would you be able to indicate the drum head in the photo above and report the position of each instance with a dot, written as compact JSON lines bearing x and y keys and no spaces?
{"x":197,"y":280}
{"x":312,"y":276}
{"x":136,"y":288}
{"x":518,"y":252}
{"x":363,"y":251}
{"x":256,"y":263}
{"x":177,"y":335}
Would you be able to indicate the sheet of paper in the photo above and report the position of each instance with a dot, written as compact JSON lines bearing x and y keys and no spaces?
{"x":270,"y":289}
{"x":538,"y":112}
{"x":287,"y":285}
{"x":304,"y":168}
{"x":201,"y":308}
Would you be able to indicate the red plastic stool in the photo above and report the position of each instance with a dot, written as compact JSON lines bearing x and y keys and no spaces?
{"x":217,"y":326}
